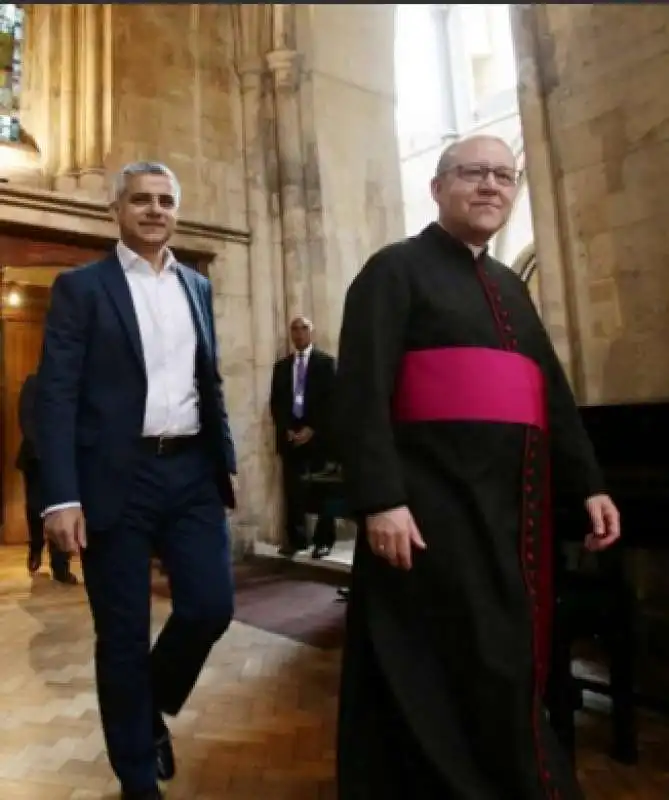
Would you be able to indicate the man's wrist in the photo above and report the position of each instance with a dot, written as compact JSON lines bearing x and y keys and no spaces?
{"x":59,"y":507}
{"x":383,"y":510}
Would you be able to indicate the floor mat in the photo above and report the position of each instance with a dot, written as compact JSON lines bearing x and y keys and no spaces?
{"x":304,"y":610}
{"x":276,"y":599}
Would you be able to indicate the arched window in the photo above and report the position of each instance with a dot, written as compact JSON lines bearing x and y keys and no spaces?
{"x":11,"y":45}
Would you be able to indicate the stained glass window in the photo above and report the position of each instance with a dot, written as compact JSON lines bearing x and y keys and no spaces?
{"x":11,"y":41}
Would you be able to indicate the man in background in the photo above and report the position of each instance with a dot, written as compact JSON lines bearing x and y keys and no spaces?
{"x":301,"y":407}
{"x":27,"y":461}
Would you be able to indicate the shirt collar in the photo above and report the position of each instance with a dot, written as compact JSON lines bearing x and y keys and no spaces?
{"x":451,"y":240}
{"x":306,"y":352}
{"x":129,"y":260}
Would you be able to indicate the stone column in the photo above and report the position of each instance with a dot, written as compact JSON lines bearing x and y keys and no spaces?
{"x":539,"y":165}
{"x":70,"y":108}
{"x":267,"y":300}
{"x":283,"y":65}
{"x":93,"y":59}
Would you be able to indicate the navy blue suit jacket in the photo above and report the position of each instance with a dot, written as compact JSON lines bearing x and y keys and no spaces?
{"x":92,"y":386}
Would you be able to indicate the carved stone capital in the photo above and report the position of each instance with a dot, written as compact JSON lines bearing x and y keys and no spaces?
{"x":284,"y":65}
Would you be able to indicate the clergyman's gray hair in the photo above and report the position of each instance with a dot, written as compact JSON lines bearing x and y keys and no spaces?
{"x":143,"y":168}
{"x":446,"y":159}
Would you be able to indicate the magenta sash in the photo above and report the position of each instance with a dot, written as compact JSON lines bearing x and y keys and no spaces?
{"x":470,"y":384}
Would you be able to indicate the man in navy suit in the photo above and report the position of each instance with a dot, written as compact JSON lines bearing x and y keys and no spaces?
{"x":137,"y":457}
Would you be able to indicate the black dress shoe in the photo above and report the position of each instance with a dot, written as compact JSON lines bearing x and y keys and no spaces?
{"x":320,"y":551}
{"x":145,"y":794}
{"x":65,"y":577}
{"x":343,"y":594}
{"x":165,"y":763}
{"x":34,"y":562}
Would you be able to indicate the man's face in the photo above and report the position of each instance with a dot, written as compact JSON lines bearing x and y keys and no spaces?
{"x":146,"y":213}
{"x":300,"y":334}
{"x":475,"y":194}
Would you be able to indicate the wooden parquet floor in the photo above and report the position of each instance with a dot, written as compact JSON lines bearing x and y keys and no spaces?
{"x":260,"y":725}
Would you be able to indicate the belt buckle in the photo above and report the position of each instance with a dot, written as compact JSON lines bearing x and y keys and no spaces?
{"x":160,"y":449}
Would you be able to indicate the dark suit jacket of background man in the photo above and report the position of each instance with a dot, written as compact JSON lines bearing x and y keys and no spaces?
{"x":318,"y":393}
{"x":27,"y":461}
{"x":88,"y":449}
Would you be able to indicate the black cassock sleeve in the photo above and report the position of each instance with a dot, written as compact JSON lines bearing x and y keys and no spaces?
{"x":573,"y":461}
{"x":371,"y":345}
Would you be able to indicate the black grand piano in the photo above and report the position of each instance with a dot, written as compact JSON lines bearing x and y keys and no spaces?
{"x":632,"y":446}
{"x":631,"y":443}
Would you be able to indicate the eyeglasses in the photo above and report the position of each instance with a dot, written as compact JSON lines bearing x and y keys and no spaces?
{"x":479,"y":173}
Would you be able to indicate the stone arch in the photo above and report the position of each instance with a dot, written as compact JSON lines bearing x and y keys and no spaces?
{"x":527,"y":269}
{"x":525,"y":263}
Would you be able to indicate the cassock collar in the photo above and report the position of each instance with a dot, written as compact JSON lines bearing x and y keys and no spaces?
{"x":434,"y":229}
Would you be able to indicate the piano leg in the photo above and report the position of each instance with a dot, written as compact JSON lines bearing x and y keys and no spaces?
{"x":622,"y":654}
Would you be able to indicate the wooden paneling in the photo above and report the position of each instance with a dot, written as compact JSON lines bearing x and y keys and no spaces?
{"x":22,"y":251}
{"x":53,"y":250}
{"x":21,"y":335}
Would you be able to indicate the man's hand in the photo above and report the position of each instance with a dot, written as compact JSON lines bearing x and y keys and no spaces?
{"x":66,"y":528}
{"x":290,"y":435}
{"x":605,"y":522}
{"x":392,"y":534}
{"x":303,"y":436}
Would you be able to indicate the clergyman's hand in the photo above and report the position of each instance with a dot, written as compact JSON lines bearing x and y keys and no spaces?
{"x":605,"y":522}
{"x":66,"y":528}
{"x":392,"y":535}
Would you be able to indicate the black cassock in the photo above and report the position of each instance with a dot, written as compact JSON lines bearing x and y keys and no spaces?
{"x":451,"y":400}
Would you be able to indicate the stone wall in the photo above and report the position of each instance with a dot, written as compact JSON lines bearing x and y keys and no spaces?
{"x":350,"y":148}
{"x":182,"y":105}
{"x":596,"y":123}
{"x":278,"y":121}
{"x":595,"y":114}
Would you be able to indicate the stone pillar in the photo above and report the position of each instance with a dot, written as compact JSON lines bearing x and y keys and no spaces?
{"x":539,"y":166}
{"x":284,"y":68}
{"x":71,"y":102}
{"x":93,"y":59}
{"x":267,"y":300}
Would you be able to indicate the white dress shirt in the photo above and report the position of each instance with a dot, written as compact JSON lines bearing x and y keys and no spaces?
{"x":169,"y":344}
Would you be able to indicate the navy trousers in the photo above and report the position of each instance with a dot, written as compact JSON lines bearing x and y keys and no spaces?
{"x":174,"y":509}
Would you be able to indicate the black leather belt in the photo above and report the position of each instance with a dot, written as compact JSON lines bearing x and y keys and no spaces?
{"x":168,"y":445}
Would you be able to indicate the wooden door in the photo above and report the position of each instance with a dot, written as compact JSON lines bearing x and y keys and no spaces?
{"x":21,"y":339}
